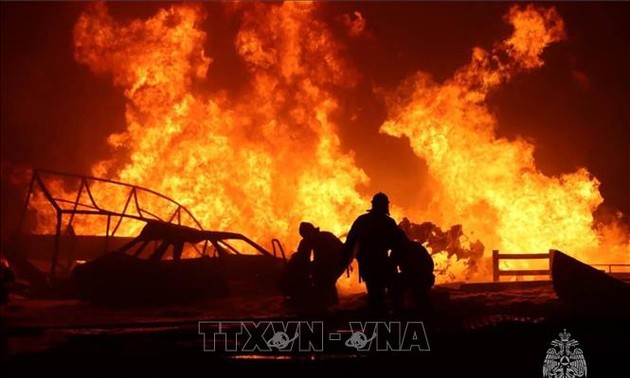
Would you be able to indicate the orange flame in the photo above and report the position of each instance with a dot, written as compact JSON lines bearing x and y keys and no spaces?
{"x":259,"y":164}
{"x":270,"y":158}
{"x":490,"y":184}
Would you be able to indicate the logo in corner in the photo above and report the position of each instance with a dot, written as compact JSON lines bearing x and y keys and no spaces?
{"x":564,"y":359}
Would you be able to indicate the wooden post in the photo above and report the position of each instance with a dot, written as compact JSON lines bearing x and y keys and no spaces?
{"x":551,"y":251}
{"x":495,"y":265}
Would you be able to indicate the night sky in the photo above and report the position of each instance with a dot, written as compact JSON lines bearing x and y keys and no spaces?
{"x":56,"y":114}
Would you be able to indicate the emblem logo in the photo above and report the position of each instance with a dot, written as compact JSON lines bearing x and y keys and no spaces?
{"x":359,"y":340}
{"x":564,"y":359}
{"x":281,"y":340}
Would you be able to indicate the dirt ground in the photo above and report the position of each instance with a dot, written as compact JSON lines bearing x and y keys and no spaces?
{"x":474,"y":330}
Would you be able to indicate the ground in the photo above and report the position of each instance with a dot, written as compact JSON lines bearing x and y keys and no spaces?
{"x":476,"y":330}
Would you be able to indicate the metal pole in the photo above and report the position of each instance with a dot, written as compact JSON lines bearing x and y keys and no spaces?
{"x":53,"y":263}
{"x":28,"y":199}
{"x":109,"y":219}
{"x":74,"y":207}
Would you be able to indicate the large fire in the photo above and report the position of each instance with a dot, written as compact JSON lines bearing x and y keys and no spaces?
{"x":270,"y":157}
{"x":260,"y":163}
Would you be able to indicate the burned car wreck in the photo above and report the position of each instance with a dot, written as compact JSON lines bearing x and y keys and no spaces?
{"x":227,"y":263}
{"x":171,"y":259}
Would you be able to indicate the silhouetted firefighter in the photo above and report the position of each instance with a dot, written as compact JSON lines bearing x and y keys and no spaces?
{"x":370,"y":239}
{"x":296,"y":278}
{"x":415,"y":274}
{"x":313,"y":280}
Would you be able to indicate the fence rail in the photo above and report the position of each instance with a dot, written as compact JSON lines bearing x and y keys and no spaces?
{"x":621,"y":271}
{"x":497,"y":257}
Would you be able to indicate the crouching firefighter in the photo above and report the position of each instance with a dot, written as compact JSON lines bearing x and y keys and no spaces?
{"x":313,"y":270}
{"x":414,"y":275}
